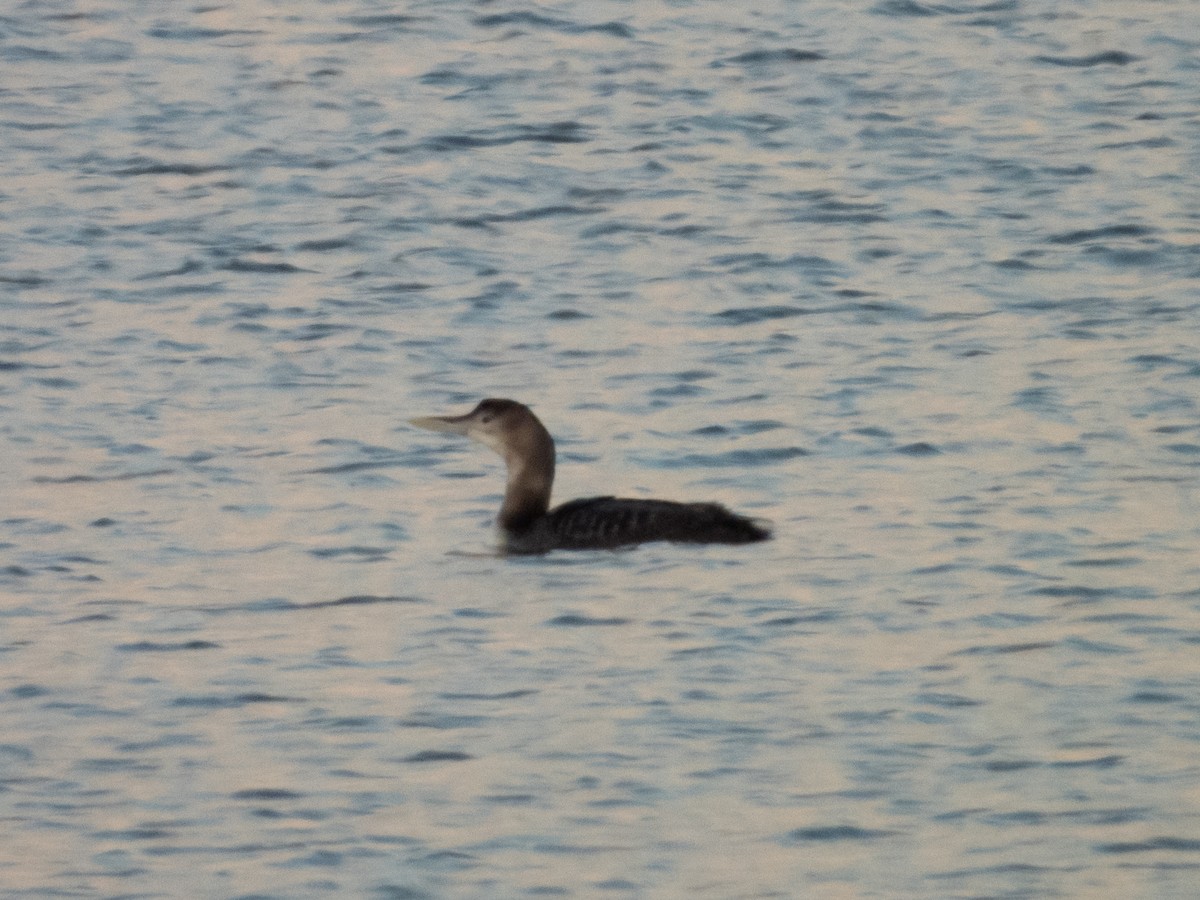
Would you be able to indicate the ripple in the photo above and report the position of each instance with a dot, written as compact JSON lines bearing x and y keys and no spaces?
{"x":1091,"y":234}
{"x":359,"y":600}
{"x":904,"y":9}
{"x":166,"y":647}
{"x":353,"y":551}
{"x":144,"y":166}
{"x":1006,"y":648}
{"x":749,"y":315}
{"x":1172,"y":844}
{"x":572,"y":620}
{"x":770,"y":57}
{"x":229,"y":701}
{"x":538,"y":20}
{"x":267,"y":794}
{"x":436,"y":756}
{"x":735,"y":459}
{"x":918,"y":449}
{"x":554,"y":133}
{"x":1104,"y":58}
{"x":84,"y":479}
{"x":822,"y":834}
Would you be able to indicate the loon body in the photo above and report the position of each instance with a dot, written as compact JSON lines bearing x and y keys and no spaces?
{"x":527,"y":523}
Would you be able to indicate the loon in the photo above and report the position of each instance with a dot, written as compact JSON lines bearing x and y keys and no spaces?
{"x":528,"y":525}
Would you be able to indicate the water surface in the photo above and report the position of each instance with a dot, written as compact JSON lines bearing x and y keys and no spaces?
{"x":916,"y":282}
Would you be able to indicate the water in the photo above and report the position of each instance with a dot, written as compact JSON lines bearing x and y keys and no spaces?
{"x":917,"y":282}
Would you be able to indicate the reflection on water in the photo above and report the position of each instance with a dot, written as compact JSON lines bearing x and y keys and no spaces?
{"x":914,"y":282}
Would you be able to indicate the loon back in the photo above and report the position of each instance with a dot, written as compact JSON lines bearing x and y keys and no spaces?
{"x":606,"y":523}
{"x":594,"y":523}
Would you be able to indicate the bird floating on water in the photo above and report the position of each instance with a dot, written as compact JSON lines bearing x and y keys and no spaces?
{"x":528,"y":525}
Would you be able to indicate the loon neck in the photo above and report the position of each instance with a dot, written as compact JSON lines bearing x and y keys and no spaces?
{"x":526,"y":499}
{"x":529,"y":455}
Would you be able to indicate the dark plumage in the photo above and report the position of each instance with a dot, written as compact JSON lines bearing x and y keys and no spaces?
{"x":593,"y":523}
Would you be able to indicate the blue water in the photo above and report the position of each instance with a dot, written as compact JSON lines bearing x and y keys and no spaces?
{"x":916,"y":282}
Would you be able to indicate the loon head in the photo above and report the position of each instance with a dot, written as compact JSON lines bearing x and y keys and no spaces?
{"x":508,"y":427}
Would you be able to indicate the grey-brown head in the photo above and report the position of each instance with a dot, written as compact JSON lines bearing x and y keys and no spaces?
{"x":512,"y":430}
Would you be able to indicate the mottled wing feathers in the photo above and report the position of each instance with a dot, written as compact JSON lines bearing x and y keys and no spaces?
{"x":609,"y":522}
